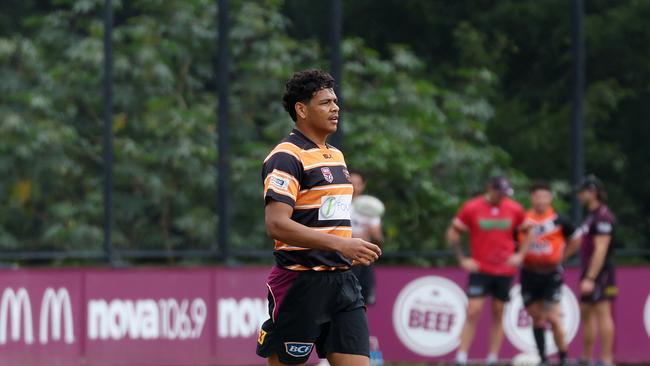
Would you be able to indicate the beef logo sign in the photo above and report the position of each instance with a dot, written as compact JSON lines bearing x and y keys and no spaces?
{"x":55,"y":317}
{"x":428,"y":315}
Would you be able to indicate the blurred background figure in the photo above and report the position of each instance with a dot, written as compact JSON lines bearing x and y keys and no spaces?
{"x":367,"y":212}
{"x":492,"y":221}
{"x":546,"y":233}
{"x":597,"y":280}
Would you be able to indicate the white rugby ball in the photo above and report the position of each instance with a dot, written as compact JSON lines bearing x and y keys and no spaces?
{"x":368,"y":206}
{"x":526,"y":359}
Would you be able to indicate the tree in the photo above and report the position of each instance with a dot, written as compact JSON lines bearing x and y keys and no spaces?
{"x":424,"y":146}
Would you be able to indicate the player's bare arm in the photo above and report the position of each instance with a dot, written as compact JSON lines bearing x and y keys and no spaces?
{"x":454,"y":234}
{"x":517,"y":258}
{"x":376,"y":235}
{"x":572,"y":246}
{"x":601,"y":246}
{"x":280,"y":226}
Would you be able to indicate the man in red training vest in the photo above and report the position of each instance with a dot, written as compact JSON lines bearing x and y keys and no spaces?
{"x":492,"y":221}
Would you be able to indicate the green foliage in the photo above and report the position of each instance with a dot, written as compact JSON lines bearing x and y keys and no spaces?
{"x":473,"y":92}
{"x":526,"y":45}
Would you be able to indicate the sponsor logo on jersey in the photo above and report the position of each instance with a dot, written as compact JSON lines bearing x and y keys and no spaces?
{"x":279,"y":182}
{"x":298,"y":349}
{"x":495,"y":224}
{"x":327,"y":174}
{"x":604,"y":227}
{"x":337,"y":207}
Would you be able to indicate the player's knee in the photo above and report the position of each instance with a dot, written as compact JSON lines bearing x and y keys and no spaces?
{"x":555,"y":321}
{"x":473,"y":315}
{"x":539,"y":321}
{"x":497,"y":309}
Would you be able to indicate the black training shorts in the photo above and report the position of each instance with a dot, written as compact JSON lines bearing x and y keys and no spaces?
{"x":366,"y":277}
{"x":541,"y":286}
{"x":483,"y":284}
{"x":309,"y":308}
{"x":604,"y":286}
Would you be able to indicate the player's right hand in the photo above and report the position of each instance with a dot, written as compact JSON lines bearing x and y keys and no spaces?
{"x":360,"y":251}
{"x":469,"y":265}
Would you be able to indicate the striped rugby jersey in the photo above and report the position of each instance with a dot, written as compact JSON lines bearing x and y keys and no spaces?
{"x":314,"y":180}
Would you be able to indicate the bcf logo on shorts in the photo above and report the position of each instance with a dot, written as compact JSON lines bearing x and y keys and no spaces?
{"x":428,"y":315}
{"x":517,"y":324}
{"x":298,"y":349}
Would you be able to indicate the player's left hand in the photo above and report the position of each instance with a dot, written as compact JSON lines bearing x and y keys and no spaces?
{"x":515,"y":260}
{"x":587,"y":286}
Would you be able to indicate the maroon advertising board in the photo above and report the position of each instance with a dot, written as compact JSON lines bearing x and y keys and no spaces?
{"x":211,"y":316}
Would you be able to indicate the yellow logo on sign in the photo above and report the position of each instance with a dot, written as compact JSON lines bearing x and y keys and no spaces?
{"x":261,"y":337}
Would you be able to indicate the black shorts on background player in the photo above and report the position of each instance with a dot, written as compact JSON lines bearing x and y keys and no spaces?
{"x":309,"y":308}
{"x":483,"y":284}
{"x":540,"y":286}
{"x":604,"y":286}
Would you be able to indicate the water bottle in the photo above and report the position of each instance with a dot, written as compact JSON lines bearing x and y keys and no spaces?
{"x":376,"y":357}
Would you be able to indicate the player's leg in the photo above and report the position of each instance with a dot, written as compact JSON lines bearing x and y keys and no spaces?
{"x":474,"y":307}
{"x":274,"y":361}
{"x":603,"y":314}
{"x":555,"y":319}
{"x":552,"y":298}
{"x":496,"y":330}
{"x":500,"y":291}
{"x":476,"y":293}
{"x":537,"y":313}
{"x":343,"y":359}
{"x":532,"y":295}
{"x":588,"y":320}
{"x":346,"y":339}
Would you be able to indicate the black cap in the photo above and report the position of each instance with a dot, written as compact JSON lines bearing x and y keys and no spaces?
{"x":590,"y":182}
{"x":501,"y":184}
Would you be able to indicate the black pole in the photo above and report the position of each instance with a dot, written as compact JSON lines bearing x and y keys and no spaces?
{"x":336,"y":63}
{"x":108,"y":130}
{"x":577,"y":116}
{"x":223,"y":167}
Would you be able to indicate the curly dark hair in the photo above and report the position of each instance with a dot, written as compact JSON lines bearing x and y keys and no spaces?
{"x":540,"y":185}
{"x":302,"y":86}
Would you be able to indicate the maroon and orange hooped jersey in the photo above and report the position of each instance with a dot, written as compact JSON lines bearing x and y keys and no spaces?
{"x":314,"y":180}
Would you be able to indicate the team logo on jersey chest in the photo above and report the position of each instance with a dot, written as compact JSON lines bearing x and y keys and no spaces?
{"x":327,"y":174}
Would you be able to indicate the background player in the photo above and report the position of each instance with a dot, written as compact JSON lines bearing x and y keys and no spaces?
{"x":492,"y":221}
{"x":541,"y":275}
{"x":366,"y":224}
{"x":314,"y":299}
{"x":597,"y":280}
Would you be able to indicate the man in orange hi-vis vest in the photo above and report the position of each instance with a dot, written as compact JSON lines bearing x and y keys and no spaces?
{"x":541,"y":276}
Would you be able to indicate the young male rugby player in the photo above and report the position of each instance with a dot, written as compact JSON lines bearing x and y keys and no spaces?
{"x":314,"y":299}
{"x":541,"y":275}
